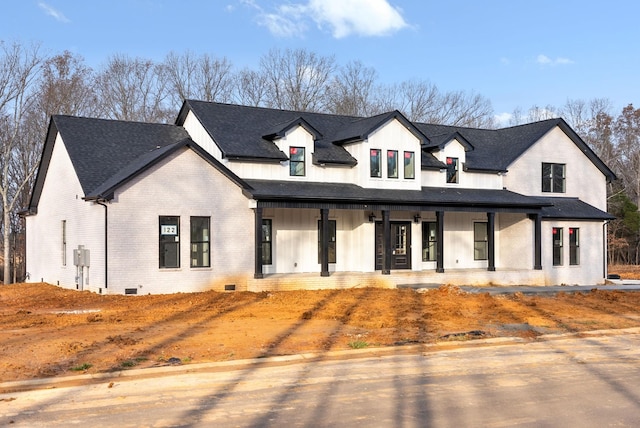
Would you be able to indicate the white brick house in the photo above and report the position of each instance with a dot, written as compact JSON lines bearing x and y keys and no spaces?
{"x":254,"y":198}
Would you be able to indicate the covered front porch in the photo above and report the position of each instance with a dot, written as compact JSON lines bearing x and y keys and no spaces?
{"x":326,"y":229}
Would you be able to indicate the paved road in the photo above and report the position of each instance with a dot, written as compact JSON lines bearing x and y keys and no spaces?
{"x":622,"y":285}
{"x":566,"y":382}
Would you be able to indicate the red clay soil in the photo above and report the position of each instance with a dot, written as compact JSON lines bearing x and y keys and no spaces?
{"x":49,"y":331}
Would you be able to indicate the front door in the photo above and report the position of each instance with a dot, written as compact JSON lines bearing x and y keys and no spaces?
{"x":400,"y":245}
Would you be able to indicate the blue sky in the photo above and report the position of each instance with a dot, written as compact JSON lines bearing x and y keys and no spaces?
{"x":515,"y":53}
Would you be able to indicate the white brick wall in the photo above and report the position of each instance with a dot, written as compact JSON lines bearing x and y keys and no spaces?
{"x":182,"y":185}
{"x":583,"y":179}
{"x":84,"y":224}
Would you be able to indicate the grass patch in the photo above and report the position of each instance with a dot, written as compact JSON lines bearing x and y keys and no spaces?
{"x":358,"y":344}
{"x":82,"y":367}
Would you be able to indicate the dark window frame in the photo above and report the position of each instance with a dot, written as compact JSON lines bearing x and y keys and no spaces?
{"x":480,"y":243}
{"x":392,"y":164}
{"x":201,"y":243}
{"x":169,"y":239}
{"x":554,"y":177}
{"x":375,"y":163}
{"x":297,"y":159}
{"x":558,"y":244}
{"x":333,"y":238}
{"x":574,"y":246}
{"x":409,"y":165}
{"x":267,"y":241}
{"x":452,"y":170}
{"x":64,"y":242}
{"x":429,"y":241}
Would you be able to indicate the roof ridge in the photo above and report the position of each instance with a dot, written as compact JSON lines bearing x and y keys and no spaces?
{"x":537,"y":122}
{"x":298,"y":112}
{"x":103,"y":119}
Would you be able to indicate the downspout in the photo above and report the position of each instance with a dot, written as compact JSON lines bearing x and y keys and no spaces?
{"x":106,"y":241}
{"x":605,"y":259}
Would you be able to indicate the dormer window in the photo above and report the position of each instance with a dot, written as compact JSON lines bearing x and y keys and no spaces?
{"x":296,"y":161}
{"x":375,"y":163}
{"x":409,"y":165}
{"x":452,"y":170}
{"x":392,"y":163}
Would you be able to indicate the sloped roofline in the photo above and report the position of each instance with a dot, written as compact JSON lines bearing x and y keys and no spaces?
{"x":144,"y":163}
{"x":353,"y":135}
{"x":280,"y":130}
{"x":447,"y":138}
{"x":584,"y":147}
{"x":43,"y":168}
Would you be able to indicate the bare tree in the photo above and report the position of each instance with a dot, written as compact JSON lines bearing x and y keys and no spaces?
{"x":351,"y":90}
{"x":250,"y":88}
{"x":133,"y":89}
{"x":626,"y":129}
{"x":296,"y":79}
{"x":65,"y":87}
{"x":19,"y":69}
{"x":200,"y":77}
{"x":422,"y":101}
{"x":468,"y":109}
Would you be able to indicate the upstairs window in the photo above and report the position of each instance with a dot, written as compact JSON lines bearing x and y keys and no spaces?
{"x":557,"y":246}
{"x":392,"y":163}
{"x":409,"y":165}
{"x":169,"y":242}
{"x":452,"y":170}
{"x":200,"y":239}
{"x":574,"y":246}
{"x":375,"y":163}
{"x":296,"y":161}
{"x":553,"y":177}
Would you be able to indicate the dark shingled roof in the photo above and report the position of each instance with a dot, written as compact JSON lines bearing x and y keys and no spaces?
{"x":496,"y":149}
{"x":572,"y":208}
{"x":240,"y":132}
{"x":100,"y":148}
{"x":105,"y":153}
{"x":350,"y":193}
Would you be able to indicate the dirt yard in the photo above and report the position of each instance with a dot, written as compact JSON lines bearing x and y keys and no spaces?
{"x":48,"y":331}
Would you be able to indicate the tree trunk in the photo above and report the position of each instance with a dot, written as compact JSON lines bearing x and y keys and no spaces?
{"x":7,"y":243}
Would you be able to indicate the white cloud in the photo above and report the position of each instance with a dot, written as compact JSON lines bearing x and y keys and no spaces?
{"x":282,"y":26}
{"x":545,"y":60}
{"x":49,"y":10}
{"x":503,"y":119}
{"x":340,"y":17}
{"x":359,"y":17}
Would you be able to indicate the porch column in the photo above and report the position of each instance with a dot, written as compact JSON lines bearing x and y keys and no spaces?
{"x":324,"y":241}
{"x":440,"y":241}
{"x":491,"y":220}
{"x":258,"y":243}
{"x":537,"y":238}
{"x":386,"y":240}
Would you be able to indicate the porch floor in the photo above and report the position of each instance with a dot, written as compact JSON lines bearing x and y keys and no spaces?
{"x":342,"y":280}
